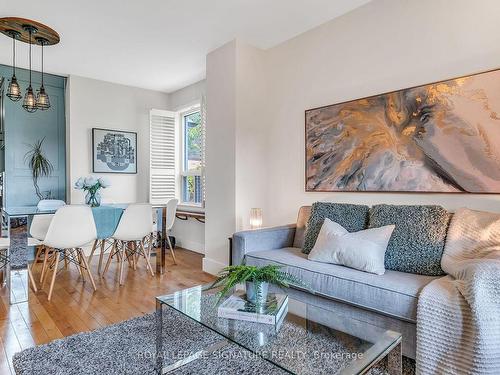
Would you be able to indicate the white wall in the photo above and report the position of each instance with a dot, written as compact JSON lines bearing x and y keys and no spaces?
{"x":256,"y":125}
{"x":382,"y":46}
{"x":187,"y":96}
{"x":251,"y":142}
{"x":189,"y":234}
{"x":98,"y":104}
{"x":220,"y":156}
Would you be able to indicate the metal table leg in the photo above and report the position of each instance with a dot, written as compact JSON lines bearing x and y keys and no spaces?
{"x":18,"y":274}
{"x":159,"y":338}
{"x":160,"y":258}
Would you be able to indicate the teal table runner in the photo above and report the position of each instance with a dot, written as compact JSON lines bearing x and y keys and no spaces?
{"x":106,"y":220}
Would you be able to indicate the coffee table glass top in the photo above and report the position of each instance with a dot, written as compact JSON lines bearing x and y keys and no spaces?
{"x":309,"y":339}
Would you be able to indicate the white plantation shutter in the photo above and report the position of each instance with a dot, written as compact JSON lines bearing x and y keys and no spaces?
{"x":203,"y":109}
{"x":162,"y":156}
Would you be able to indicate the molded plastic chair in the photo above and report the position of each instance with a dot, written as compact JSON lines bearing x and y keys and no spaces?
{"x":134,"y":227}
{"x":39,"y":227}
{"x":71,"y":228}
{"x":169,"y":222}
{"x":40,"y":223}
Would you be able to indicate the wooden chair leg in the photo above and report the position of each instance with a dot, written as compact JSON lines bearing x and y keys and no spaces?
{"x":171,"y":249}
{"x":123,"y":256}
{"x":78,"y":258}
{"x":150,"y":247}
{"x":37,"y":255}
{"x":45,"y":259}
{"x":32,"y":280}
{"x":111,"y":253}
{"x":148,"y":263}
{"x":94,"y":246}
{"x":101,"y":255}
{"x":133,"y":257}
{"x":54,"y":273}
{"x":51,"y":255}
{"x":86,"y":265}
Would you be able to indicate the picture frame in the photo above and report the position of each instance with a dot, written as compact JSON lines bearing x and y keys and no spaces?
{"x":114,"y":151}
{"x":433,"y":138}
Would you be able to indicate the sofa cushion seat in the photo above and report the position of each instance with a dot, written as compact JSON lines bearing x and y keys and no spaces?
{"x":394,"y":293}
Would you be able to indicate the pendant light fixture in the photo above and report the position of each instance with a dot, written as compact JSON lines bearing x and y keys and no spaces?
{"x":13,"y":90}
{"x":42,"y":98}
{"x":29,"y":103}
{"x":22,"y":29}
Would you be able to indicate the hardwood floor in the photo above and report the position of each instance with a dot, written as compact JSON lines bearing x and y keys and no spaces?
{"x":74,"y":308}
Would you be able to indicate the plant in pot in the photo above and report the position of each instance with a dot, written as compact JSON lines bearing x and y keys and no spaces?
{"x":38,"y":163}
{"x":257,"y":280}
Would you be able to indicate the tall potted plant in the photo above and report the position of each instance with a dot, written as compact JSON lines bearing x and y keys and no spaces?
{"x":38,"y":163}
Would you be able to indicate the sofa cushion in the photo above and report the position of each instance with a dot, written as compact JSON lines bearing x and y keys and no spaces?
{"x":300,"y":227}
{"x":394,"y":293}
{"x":417,"y":243}
{"x":352,"y":217}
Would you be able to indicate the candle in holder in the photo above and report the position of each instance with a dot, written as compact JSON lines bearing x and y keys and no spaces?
{"x":256,"y":218}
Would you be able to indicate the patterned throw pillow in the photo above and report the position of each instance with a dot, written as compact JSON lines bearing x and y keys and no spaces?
{"x":417,"y":243}
{"x":352,"y":217}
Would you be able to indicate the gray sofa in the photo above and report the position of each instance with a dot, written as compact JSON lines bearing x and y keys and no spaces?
{"x":388,"y":301}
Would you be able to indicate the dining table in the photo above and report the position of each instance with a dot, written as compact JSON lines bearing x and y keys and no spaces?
{"x":16,"y":221}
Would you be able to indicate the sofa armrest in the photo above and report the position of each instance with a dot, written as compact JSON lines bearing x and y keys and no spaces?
{"x":260,"y":240}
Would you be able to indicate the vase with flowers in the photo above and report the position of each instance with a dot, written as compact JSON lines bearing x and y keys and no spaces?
{"x":92,"y":186}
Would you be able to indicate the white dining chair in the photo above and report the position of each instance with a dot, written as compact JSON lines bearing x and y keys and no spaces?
{"x":169,"y":222}
{"x":71,"y":228}
{"x":39,"y":227}
{"x":129,"y":237}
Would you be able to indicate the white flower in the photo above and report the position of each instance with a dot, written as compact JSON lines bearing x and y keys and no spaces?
{"x":103,"y":182}
{"x":90,"y":181}
{"x":79,"y":183}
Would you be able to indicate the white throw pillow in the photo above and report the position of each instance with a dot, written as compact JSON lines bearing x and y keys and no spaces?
{"x":363,"y":250}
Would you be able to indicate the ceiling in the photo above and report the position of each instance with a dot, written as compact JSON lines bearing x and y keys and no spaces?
{"x":159,"y":44}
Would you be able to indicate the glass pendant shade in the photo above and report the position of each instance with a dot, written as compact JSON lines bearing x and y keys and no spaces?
{"x":29,"y":103}
{"x":14,"y":91}
{"x":42,"y":100}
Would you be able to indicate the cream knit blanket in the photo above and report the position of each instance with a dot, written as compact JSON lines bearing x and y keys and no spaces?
{"x":458,"y":316}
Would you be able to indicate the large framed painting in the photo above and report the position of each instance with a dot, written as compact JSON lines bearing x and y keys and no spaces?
{"x":114,"y":151}
{"x":442,"y":137}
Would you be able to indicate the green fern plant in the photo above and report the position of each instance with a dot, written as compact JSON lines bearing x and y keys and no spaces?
{"x":230,"y":276}
{"x":38,"y":163}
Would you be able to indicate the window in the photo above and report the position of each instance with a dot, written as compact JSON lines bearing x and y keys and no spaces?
{"x":192,"y":157}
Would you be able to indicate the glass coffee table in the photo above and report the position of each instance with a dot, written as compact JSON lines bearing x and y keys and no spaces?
{"x":308,"y":340}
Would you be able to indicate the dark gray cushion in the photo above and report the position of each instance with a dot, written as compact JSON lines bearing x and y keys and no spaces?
{"x":417,"y":243}
{"x":352,"y":217}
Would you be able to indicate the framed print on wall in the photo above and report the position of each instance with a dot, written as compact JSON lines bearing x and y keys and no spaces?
{"x":114,"y":151}
{"x":441,"y":137}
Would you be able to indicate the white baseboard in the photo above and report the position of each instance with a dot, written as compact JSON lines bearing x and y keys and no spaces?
{"x":212,"y":266}
{"x":191,"y":245}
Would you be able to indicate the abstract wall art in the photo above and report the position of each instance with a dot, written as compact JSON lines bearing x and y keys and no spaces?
{"x":442,"y":137}
{"x":114,"y":151}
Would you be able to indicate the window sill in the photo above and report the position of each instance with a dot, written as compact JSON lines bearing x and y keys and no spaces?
{"x":190,"y":207}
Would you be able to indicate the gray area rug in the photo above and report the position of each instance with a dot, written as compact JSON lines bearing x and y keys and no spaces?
{"x":128,"y":348}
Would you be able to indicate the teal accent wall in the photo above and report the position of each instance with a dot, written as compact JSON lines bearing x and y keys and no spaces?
{"x":23,"y":128}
